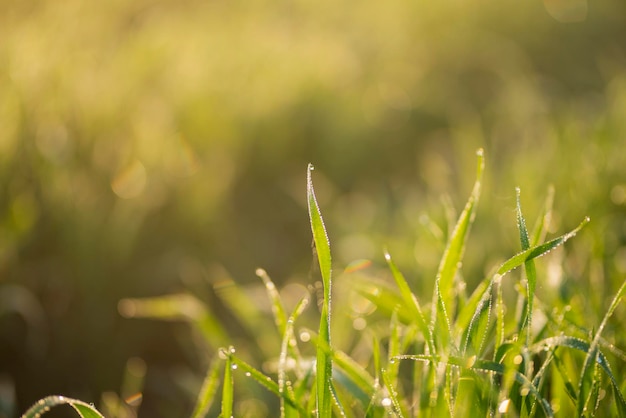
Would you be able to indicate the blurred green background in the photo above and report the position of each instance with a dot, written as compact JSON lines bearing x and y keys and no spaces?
{"x":149,"y":146}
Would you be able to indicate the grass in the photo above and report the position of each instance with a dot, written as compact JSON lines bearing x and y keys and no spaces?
{"x":464,"y":354}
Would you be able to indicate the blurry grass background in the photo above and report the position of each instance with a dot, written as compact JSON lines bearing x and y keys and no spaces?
{"x":149,"y":147}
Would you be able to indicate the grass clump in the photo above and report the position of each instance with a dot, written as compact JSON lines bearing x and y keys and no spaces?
{"x":463,"y":354}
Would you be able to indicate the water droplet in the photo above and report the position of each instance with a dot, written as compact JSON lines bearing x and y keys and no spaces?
{"x":311,"y":167}
{"x":305,"y":336}
{"x":232,"y":350}
{"x":386,"y":402}
{"x":503,"y":408}
{"x":233,"y":366}
{"x":248,"y":374}
{"x":517,"y":360}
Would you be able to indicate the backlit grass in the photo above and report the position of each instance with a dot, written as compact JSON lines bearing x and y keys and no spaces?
{"x":469,"y":352}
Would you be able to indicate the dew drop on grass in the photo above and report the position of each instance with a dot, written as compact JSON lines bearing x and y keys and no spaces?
{"x":305,"y":336}
{"x":248,"y":374}
{"x":386,"y":402}
{"x":232,"y":350}
{"x":503,"y":408}
{"x":517,"y":360}
{"x":234,"y":366}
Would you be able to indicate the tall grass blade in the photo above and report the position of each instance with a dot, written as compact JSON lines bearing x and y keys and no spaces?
{"x":84,"y":410}
{"x":529,"y":266}
{"x":208,"y":390}
{"x":411,"y":303}
{"x":322,"y":247}
{"x":587,"y":377}
{"x":228,"y":387}
{"x":453,"y":254}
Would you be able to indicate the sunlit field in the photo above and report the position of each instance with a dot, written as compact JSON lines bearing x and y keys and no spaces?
{"x":164,"y":242}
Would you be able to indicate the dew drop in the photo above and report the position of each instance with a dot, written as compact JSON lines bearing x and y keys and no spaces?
{"x":517,"y":360}
{"x":232,"y":350}
{"x":503,"y":408}
{"x":248,"y":374}
{"x":385,"y":402}
{"x":233,"y":366}
{"x":305,"y":336}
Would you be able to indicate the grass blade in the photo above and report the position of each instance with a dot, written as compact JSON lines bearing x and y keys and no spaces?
{"x":286,"y":345}
{"x":208,"y":391}
{"x":453,"y":254}
{"x":489,"y":367}
{"x":529,"y":266}
{"x":585,"y":384}
{"x":278,"y":309}
{"x":538,"y":250}
{"x":228,"y":389}
{"x":411,"y":303}
{"x":42,"y":406}
{"x":322,"y":247}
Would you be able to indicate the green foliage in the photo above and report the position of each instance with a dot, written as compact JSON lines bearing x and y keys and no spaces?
{"x":465,"y":362}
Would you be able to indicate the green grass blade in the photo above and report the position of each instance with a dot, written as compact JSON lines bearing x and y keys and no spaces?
{"x":487,"y":366}
{"x":286,"y":346}
{"x":278,"y":309}
{"x":453,"y":254}
{"x":228,"y":387}
{"x":322,"y":247}
{"x":42,"y":406}
{"x":411,"y":303}
{"x":263,"y":380}
{"x":476,"y":332}
{"x":388,"y":381}
{"x":208,"y":391}
{"x":587,"y":379}
{"x":538,"y":250}
{"x":529,"y":266}
{"x":585,"y":347}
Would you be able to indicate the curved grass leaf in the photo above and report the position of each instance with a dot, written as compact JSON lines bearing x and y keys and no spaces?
{"x":84,"y":410}
{"x":322,"y":247}
{"x":453,"y":254}
{"x":538,"y":250}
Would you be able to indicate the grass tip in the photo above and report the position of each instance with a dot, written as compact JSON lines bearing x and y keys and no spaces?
{"x":260,"y":272}
{"x":480,"y":152}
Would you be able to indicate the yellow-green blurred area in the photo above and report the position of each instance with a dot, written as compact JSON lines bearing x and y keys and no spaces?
{"x":150,"y":148}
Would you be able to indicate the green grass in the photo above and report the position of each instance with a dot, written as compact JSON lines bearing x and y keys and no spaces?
{"x":480,"y":354}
